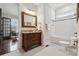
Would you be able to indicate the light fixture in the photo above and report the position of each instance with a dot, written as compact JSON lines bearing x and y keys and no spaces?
{"x":29,"y":11}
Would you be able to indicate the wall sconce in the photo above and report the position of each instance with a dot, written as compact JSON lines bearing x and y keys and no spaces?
{"x":29,"y":11}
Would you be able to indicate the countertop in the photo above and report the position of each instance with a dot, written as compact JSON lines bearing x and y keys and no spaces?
{"x":32,"y":32}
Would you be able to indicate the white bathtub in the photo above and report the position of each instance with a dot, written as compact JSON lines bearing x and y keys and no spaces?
{"x":57,"y":39}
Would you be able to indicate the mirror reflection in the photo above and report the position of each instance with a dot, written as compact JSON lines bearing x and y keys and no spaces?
{"x":29,"y":20}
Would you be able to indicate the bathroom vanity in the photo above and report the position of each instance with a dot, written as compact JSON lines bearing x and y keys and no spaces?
{"x":31,"y":40}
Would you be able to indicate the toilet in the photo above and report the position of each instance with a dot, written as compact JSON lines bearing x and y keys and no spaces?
{"x":74,"y":41}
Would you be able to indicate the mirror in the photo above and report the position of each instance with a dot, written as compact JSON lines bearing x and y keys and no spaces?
{"x":28,"y":20}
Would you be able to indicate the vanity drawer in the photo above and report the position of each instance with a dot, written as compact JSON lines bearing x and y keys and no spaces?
{"x":31,"y":40}
{"x":30,"y":36}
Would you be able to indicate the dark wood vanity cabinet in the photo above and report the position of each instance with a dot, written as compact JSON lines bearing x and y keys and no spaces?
{"x":31,"y":40}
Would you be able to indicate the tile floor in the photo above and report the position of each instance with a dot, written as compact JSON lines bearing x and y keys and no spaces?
{"x":52,"y":50}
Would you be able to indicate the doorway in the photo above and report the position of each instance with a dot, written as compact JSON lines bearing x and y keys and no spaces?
{"x":8,"y":27}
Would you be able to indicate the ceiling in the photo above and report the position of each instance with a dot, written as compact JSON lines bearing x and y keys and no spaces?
{"x":56,"y":6}
{"x":59,"y":5}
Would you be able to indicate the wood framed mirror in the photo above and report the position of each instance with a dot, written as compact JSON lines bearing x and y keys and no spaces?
{"x":28,"y":20}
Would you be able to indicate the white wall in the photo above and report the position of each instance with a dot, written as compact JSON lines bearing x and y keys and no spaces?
{"x":52,"y":24}
{"x":45,"y":15}
{"x":10,"y":10}
{"x":47,"y":20}
{"x":78,"y":36}
{"x":42,"y":12}
{"x":44,"y":19}
{"x":40,"y":18}
{"x":65,"y":29}
{"x":24,"y":7}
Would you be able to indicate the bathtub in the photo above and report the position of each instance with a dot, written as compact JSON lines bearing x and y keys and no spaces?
{"x":59,"y":40}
